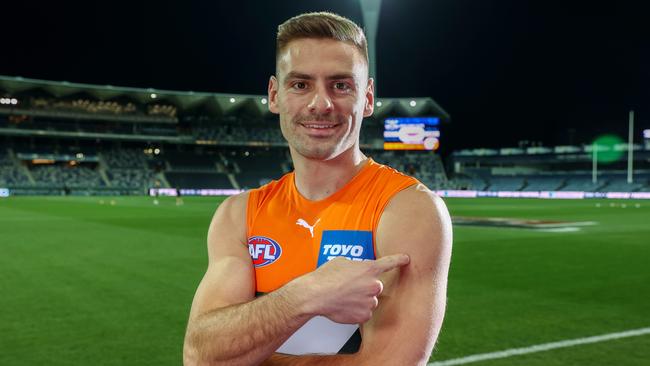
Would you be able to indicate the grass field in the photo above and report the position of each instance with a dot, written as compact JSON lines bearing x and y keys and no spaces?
{"x":83,"y":283}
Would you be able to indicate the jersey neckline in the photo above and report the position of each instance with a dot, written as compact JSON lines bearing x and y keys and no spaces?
{"x":332,"y":197}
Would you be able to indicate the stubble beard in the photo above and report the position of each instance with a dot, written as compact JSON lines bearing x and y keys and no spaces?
{"x":315,"y":148}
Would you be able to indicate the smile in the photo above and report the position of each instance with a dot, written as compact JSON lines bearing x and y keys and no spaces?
{"x":319,"y":127}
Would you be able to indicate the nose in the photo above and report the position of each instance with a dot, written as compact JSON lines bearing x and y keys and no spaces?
{"x":320,"y":103}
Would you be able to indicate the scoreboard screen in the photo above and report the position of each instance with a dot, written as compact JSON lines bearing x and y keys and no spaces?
{"x":412,"y":133}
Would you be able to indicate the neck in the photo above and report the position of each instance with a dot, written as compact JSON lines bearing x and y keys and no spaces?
{"x":319,"y":179}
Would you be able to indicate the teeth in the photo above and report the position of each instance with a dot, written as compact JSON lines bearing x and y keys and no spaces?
{"x":319,"y":126}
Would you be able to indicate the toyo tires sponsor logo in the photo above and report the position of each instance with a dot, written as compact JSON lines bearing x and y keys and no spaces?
{"x":355,"y":245}
{"x":263,"y":250}
{"x":353,"y":252}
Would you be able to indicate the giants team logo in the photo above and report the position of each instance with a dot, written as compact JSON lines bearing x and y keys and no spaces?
{"x":263,"y":250}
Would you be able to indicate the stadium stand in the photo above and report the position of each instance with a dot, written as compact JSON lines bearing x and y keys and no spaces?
{"x":582,"y":183}
{"x":257,"y":168}
{"x":71,"y":176}
{"x":543,"y":183}
{"x":560,"y":168}
{"x":79,"y":139}
{"x":10,"y":173}
{"x":130,"y":178}
{"x":424,"y":165}
{"x":504,"y":183}
{"x":618,"y":183}
{"x":199,"y":180}
{"x":125,"y":158}
{"x":179,"y":161}
{"x":127,"y":168}
{"x":59,"y":138}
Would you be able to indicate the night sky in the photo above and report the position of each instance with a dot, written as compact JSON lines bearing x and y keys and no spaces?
{"x":555,"y":72}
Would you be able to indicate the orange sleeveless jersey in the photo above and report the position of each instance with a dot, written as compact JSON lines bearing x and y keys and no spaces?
{"x":289,"y":235}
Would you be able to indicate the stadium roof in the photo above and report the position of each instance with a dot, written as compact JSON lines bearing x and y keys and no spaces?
{"x":189,"y":101}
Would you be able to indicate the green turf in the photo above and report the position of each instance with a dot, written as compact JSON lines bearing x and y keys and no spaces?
{"x":88,"y":283}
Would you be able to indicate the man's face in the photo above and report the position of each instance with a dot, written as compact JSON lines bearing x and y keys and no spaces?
{"x":322,"y":92}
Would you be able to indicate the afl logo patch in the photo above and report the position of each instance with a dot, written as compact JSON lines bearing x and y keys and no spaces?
{"x":263,"y":250}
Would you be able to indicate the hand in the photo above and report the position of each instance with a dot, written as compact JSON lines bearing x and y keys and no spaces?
{"x":346,"y":291}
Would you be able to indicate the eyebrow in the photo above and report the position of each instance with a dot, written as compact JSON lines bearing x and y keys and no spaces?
{"x":299,"y":75}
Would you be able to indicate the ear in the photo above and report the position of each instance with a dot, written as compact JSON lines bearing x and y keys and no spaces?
{"x":370,"y":98}
{"x":273,"y":94}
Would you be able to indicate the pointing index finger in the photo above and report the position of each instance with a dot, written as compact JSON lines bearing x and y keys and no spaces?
{"x":385,"y":264}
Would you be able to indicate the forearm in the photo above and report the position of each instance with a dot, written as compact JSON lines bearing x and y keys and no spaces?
{"x":313,"y":360}
{"x":245,"y":334}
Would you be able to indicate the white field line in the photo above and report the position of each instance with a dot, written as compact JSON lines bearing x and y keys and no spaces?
{"x":540,"y":347}
{"x":559,"y":230}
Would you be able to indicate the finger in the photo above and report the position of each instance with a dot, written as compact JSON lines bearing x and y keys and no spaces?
{"x":378,"y":288}
{"x":389,"y":262}
{"x":381,"y":287}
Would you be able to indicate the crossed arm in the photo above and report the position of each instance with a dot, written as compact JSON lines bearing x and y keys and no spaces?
{"x":400,"y":316}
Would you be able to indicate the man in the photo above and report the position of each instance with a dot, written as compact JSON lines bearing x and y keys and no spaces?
{"x":276,"y":291}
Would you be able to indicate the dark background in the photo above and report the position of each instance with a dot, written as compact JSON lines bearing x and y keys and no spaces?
{"x":551,"y":72}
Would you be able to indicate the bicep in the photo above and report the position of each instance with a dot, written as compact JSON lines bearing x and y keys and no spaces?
{"x":229,"y":278}
{"x":412,"y":306}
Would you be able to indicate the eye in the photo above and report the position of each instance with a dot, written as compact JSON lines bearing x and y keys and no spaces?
{"x":341,"y":86}
{"x":300,"y":85}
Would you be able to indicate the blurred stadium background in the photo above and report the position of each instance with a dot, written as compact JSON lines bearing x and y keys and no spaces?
{"x":99,"y":260}
{"x":93,"y":272}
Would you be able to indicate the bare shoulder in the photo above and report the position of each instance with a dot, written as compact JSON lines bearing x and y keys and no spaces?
{"x":234,"y":205}
{"x":415,"y":220}
{"x":228,"y":226}
{"x":417,"y":198}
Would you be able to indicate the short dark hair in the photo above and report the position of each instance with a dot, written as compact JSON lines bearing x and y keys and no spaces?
{"x":321,"y":25}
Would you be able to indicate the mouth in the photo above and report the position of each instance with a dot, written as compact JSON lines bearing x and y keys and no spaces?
{"x":319,"y":129}
{"x":319,"y":126}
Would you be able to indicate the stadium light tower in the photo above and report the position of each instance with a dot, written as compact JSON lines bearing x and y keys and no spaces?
{"x":370,"y":10}
{"x":630,"y":149}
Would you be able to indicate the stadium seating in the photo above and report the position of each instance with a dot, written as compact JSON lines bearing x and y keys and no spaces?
{"x":131,"y":178}
{"x":104,"y":141}
{"x":543,"y":183}
{"x":618,"y":183}
{"x":10,"y":174}
{"x":66,"y":176}
{"x":199,"y":180}
{"x":269,"y":133}
{"x":582,"y":183}
{"x":126,"y":158}
{"x":423,"y":165}
{"x":503,"y":183}
{"x":257,"y":168}
{"x":190,"y":161}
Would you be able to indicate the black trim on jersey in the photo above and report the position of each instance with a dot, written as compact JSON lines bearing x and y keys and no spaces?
{"x":352,"y":345}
